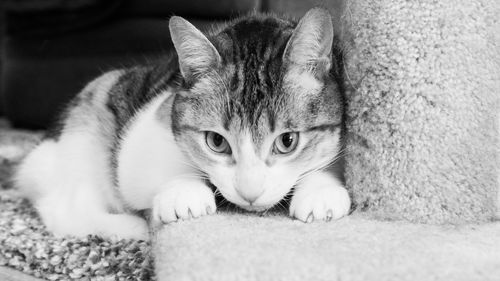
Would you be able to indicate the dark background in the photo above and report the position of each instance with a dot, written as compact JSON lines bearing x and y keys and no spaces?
{"x":49,"y":49}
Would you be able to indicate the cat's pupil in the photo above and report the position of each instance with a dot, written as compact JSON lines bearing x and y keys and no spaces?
{"x":218,"y":140}
{"x":287,"y":139}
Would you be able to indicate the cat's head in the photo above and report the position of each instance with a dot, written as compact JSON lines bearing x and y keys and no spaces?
{"x":259,"y":107}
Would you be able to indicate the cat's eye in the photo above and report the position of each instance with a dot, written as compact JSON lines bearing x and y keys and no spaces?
{"x":286,"y":143}
{"x":217,"y":143}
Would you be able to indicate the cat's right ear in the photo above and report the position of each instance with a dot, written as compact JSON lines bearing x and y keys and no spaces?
{"x":197,"y":54}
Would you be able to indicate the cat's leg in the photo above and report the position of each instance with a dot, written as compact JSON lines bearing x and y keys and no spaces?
{"x":154,"y":174}
{"x":183,"y":199}
{"x":64,"y":215}
{"x":320,"y":196}
{"x":69,"y":183}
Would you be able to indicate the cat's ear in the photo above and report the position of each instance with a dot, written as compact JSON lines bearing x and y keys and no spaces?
{"x":310,"y":45}
{"x":196,"y":53}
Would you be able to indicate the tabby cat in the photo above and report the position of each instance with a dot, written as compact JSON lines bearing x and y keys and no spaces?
{"x":254,"y":109}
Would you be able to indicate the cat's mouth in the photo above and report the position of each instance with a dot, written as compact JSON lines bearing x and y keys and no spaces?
{"x":255,"y":208}
{"x":239,"y":202}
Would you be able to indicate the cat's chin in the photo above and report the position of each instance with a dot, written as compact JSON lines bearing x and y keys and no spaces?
{"x":253,"y":208}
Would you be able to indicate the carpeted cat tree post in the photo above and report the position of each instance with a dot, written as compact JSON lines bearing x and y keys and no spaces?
{"x":423,"y":114}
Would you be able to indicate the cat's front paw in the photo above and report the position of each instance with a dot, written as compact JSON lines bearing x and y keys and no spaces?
{"x":183,"y":199}
{"x":323,"y":202}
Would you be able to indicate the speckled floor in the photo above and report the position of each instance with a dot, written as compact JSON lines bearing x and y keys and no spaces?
{"x":25,"y":244}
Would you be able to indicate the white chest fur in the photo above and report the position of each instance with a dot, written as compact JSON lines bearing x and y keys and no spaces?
{"x":148,"y":156}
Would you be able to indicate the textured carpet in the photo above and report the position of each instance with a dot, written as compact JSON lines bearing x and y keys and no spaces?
{"x":423,"y":132}
{"x":25,"y":244}
{"x":246,"y":247}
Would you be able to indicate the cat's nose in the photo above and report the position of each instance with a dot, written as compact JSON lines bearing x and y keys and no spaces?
{"x":250,"y":194}
{"x":250,"y":181}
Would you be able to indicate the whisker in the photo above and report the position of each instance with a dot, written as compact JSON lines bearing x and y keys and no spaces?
{"x":322,"y":166}
{"x":223,"y":200}
{"x":190,"y":165}
{"x":282,"y":206}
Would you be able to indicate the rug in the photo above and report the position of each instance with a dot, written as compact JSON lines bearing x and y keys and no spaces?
{"x":27,"y":246}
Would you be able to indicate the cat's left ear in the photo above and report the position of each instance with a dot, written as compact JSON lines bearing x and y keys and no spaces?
{"x":310,"y":45}
{"x":197,"y":54}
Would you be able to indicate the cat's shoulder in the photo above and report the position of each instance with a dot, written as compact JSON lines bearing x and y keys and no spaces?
{"x":119,"y":93}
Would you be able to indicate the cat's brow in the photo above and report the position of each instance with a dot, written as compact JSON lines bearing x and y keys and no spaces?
{"x":189,"y":128}
{"x":324,"y":127}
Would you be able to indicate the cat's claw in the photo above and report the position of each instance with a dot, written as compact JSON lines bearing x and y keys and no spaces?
{"x":329,"y":215}
{"x":320,"y":203}
{"x":310,"y":218}
{"x":183,"y":200}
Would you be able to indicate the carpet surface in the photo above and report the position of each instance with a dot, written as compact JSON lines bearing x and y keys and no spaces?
{"x":26,"y":245}
{"x":247,"y":247}
{"x":423,"y":132}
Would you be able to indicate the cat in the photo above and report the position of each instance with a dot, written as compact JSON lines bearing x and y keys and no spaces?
{"x":254,"y":108}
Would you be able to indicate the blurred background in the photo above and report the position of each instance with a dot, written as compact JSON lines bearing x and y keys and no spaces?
{"x":50,"y":49}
